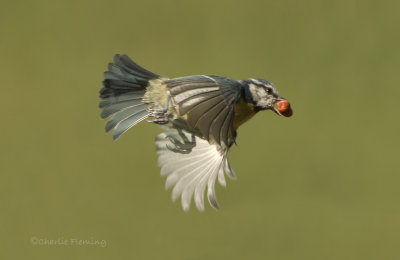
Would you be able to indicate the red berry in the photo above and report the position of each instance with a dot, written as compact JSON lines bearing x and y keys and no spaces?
{"x":284,"y":108}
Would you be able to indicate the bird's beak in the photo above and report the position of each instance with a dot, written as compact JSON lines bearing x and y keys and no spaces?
{"x":273,"y":108}
{"x":276,"y":111}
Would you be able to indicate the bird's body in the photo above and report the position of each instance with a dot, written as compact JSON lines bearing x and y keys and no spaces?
{"x":200,"y":114}
{"x":243,"y":112}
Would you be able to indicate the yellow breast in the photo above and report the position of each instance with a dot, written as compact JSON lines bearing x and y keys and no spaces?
{"x":243,"y":112}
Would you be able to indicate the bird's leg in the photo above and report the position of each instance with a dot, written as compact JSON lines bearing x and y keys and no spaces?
{"x":160,"y":114}
{"x":184,"y":147}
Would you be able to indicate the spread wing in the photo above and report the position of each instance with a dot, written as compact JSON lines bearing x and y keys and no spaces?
{"x":209,"y":104}
{"x":191,"y":164}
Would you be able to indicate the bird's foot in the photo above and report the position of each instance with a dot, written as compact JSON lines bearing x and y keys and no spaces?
{"x":159,"y":116}
{"x":159,"y":120}
{"x":157,"y":112}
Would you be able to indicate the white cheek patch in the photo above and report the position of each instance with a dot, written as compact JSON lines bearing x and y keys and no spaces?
{"x":259,"y":95}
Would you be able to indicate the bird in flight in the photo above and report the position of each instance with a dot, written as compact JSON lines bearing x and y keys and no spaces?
{"x":200,"y":115}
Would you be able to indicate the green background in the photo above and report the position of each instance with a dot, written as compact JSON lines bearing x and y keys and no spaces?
{"x":323,"y":184}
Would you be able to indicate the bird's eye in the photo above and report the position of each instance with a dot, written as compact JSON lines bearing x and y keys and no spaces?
{"x":269,"y":90}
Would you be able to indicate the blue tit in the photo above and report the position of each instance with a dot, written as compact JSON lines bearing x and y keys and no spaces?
{"x":200,"y":115}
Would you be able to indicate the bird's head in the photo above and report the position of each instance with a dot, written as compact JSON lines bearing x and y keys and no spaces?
{"x":262,"y":94}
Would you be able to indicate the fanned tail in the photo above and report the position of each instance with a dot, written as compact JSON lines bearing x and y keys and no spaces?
{"x":192,"y":166}
{"x":124,"y":86}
